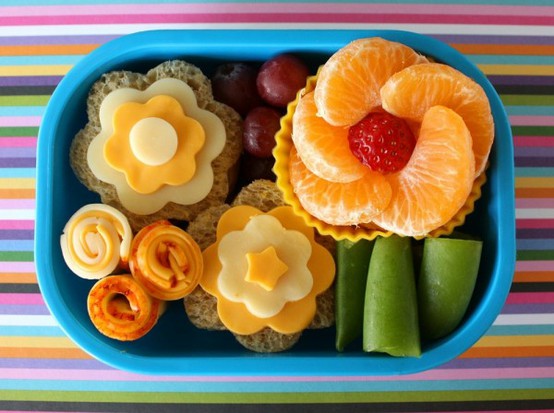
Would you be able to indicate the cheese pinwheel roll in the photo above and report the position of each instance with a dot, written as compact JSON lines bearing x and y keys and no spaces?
{"x":96,"y":241}
{"x":166,"y":261}
{"x":121,"y":309}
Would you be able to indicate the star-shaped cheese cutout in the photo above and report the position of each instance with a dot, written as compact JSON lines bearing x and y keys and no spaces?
{"x":265,"y":268}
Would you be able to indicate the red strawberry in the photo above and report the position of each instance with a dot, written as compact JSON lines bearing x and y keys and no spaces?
{"x":382,"y":142}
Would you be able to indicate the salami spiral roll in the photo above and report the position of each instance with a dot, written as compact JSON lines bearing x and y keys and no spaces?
{"x":166,"y":261}
{"x":121,"y":309}
{"x":96,"y":241}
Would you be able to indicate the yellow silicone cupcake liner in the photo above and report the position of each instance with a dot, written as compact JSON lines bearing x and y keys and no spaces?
{"x":352,"y":233}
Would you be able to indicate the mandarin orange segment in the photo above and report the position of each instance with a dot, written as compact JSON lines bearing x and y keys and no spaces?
{"x":412,"y":91}
{"x":348,"y":84}
{"x":437,"y":180}
{"x":323,"y":148}
{"x":335,"y":203}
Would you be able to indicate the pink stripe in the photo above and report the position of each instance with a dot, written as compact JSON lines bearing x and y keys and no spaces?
{"x":535,"y":223}
{"x":532,"y":120}
{"x":17,"y":204}
{"x":535,"y":265}
{"x":18,"y":141}
{"x":437,"y":374}
{"x":14,"y":224}
{"x":279,"y":17}
{"x":17,"y":266}
{"x":245,"y":8}
{"x":20,"y":120}
{"x":535,"y":203}
{"x":533,"y":141}
{"x":21,"y":299}
{"x":528,"y":298}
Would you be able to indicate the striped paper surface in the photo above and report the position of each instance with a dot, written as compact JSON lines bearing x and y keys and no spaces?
{"x":510,"y":369}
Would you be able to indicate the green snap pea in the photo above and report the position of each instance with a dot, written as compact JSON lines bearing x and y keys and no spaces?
{"x":352,"y":266}
{"x":446,"y":282}
{"x":390,"y":313}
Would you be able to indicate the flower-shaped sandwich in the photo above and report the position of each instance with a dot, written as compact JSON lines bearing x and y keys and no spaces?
{"x":267,"y":275}
{"x":266,"y":270}
{"x":381,"y":141}
{"x":157,"y":146}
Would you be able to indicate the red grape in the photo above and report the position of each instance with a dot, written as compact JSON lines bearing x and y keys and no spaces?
{"x":235,"y":85}
{"x":260,"y":127}
{"x":280,"y":78}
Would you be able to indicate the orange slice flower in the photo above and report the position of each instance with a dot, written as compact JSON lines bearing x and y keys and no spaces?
{"x":412,"y":92}
{"x":349,"y":82}
{"x":333,"y":191}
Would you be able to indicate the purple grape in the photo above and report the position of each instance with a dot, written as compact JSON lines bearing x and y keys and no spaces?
{"x":280,"y":78}
{"x":235,"y":85}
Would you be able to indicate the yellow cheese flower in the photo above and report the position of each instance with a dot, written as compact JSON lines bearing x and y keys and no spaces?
{"x":266,"y":270}
{"x":156,"y":146}
{"x":160,"y":143}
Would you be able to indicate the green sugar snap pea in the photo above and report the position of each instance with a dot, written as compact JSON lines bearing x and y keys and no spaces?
{"x":352,"y":266}
{"x":446,"y":282}
{"x":390,"y":313}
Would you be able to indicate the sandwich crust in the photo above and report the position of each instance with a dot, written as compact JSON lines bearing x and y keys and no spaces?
{"x":224,"y":166}
{"x":201,"y":307}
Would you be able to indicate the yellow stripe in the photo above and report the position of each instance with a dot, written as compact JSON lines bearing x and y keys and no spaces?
{"x":534,"y":182}
{"x":35,"y":70}
{"x":19,"y":183}
{"x":36,"y":342}
{"x":516,"y":341}
{"x":536,"y":70}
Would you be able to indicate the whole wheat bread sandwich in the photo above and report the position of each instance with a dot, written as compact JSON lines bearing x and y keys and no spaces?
{"x":223,"y":166}
{"x":202,"y":307}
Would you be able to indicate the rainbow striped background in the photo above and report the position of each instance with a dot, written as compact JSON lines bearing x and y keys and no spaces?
{"x":510,"y":369}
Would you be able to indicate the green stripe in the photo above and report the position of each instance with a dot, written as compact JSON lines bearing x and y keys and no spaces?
{"x":528,"y":100}
{"x":313,"y":397}
{"x":24,"y":100}
{"x":19,"y":131}
{"x":20,"y":256}
{"x":535,"y":255}
{"x":533,"y":130}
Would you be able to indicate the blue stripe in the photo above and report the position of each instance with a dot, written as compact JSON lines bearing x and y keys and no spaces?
{"x":17,"y":172}
{"x":16,"y":245}
{"x":523,"y":110}
{"x":42,"y":60}
{"x":486,"y":59}
{"x":31,"y":331}
{"x":477,"y":59}
{"x":21,"y":110}
{"x":521,"y":330}
{"x":535,"y":244}
{"x":532,"y":172}
{"x":149,"y":385}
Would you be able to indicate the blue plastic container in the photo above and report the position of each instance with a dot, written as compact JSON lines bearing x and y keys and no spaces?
{"x":175,"y":346}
